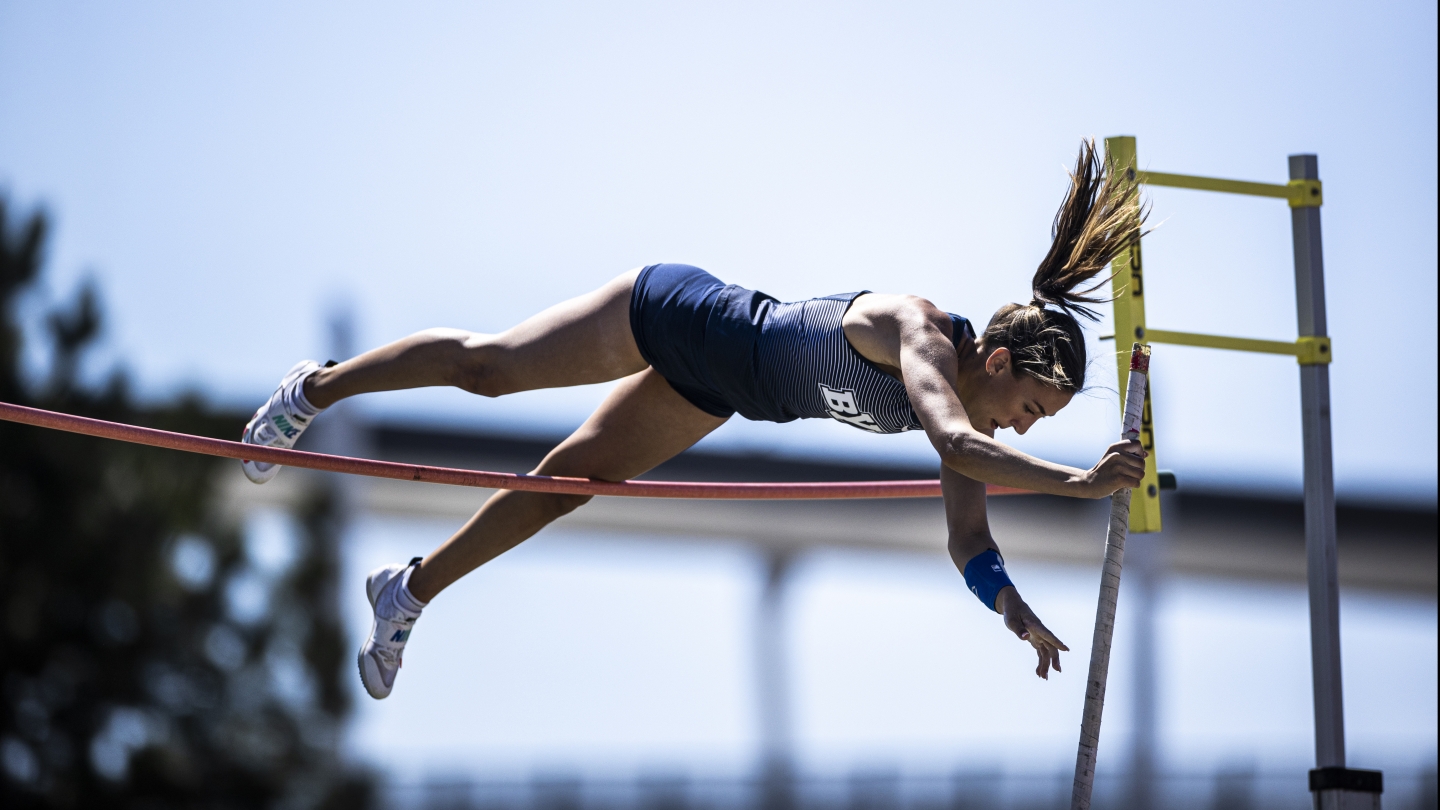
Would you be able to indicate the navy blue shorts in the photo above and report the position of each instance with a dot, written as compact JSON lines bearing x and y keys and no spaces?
{"x":730,"y":350}
{"x":699,"y":333}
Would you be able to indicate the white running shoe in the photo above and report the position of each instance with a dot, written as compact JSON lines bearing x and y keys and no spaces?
{"x":280,"y":421}
{"x":380,"y":656}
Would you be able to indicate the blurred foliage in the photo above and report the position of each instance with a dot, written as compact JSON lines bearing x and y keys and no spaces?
{"x":147,"y":659}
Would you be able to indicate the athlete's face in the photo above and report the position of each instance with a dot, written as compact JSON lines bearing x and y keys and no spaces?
{"x":1011,"y":400}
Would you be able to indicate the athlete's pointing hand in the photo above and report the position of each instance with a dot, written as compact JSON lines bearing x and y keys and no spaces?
{"x":1023,"y":622}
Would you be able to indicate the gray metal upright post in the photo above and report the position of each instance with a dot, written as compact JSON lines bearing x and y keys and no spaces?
{"x":1335,"y":787}
{"x":1320,"y":556}
{"x":776,"y":766}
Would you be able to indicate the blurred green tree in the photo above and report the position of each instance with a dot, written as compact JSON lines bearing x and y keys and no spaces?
{"x":147,"y":658}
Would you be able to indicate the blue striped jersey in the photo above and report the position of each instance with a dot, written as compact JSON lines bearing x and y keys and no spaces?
{"x":806,"y":369}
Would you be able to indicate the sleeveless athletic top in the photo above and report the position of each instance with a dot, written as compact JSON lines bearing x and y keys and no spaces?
{"x":727,"y":349}
{"x":808,"y":370}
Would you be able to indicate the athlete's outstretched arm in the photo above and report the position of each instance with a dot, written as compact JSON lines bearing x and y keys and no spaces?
{"x":970,"y":537}
{"x":912,"y":335}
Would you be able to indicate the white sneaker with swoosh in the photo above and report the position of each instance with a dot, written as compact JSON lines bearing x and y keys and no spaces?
{"x":380,"y":656}
{"x":279,"y":422}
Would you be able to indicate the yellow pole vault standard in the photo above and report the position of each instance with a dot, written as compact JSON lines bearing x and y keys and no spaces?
{"x":1334,"y":785}
{"x":1121,"y":518}
{"x":1128,"y":287}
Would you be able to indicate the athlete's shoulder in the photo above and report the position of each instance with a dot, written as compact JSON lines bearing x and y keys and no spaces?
{"x":900,"y":307}
{"x":907,"y":311}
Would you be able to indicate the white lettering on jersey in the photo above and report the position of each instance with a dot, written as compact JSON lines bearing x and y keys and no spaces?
{"x":841,"y":406}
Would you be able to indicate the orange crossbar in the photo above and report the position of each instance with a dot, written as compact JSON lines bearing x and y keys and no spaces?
{"x":819,"y":490}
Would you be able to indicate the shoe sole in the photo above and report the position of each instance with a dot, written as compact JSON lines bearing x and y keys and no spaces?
{"x":360,"y":665}
{"x":257,"y":475}
{"x":372,"y":592}
{"x":251,"y":468}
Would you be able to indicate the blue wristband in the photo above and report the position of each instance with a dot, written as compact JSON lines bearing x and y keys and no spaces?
{"x":985,"y":574}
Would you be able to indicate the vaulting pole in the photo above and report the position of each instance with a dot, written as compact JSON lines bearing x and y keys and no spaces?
{"x":1109,"y":593}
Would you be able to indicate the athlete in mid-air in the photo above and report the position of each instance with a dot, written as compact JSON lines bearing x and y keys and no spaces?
{"x":690,"y":352}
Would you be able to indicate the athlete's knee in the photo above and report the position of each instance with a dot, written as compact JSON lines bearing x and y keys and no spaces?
{"x":559,"y":504}
{"x":473,"y":363}
{"x":567,"y":460}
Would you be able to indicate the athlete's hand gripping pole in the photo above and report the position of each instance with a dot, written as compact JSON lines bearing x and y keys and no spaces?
{"x":1109,"y":592}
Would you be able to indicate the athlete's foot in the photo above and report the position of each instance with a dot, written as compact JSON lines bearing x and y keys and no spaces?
{"x":281,"y":420}
{"x":395,"y":614}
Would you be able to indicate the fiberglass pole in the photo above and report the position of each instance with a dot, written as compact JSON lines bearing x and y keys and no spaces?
{"x":1109,"y":593}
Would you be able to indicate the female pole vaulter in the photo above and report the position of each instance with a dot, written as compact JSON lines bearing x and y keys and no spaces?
{"x":691,"y":351}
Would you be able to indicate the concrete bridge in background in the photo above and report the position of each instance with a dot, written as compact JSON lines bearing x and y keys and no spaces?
{"x":1221,"y":534}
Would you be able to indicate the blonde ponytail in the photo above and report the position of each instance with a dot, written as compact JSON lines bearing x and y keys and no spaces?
{"x":1101,"y":216}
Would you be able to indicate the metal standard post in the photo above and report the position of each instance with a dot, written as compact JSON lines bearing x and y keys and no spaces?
{"x":777,"y":773}
{"x":1330,"y":788}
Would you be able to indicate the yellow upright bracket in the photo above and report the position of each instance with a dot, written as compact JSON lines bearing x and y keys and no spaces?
{"x":1305,"y":193}
{"x":1129,"y":291}
{"x":1313,"y":350}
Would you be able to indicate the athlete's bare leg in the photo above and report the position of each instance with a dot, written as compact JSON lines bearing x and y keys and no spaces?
{"x":578,"y":342}
{"x":641,"y":424}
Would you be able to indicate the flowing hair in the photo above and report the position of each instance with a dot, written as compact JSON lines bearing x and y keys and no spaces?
{"x":1101,"y":216}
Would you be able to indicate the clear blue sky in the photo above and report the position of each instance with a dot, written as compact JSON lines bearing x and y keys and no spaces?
{"x":230,"y":173}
